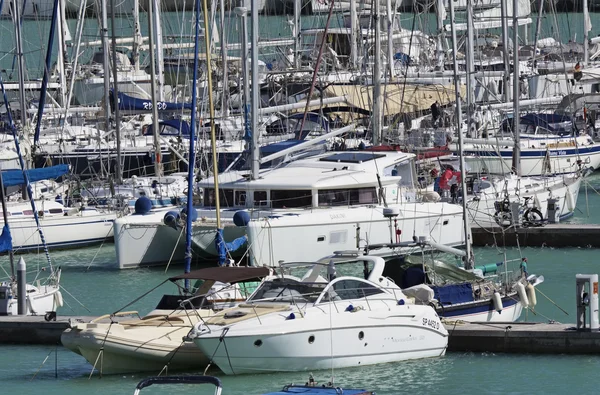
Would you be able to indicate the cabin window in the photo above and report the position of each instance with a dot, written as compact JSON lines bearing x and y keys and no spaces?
{"x":27,"y":212}
{"x":291,"y":198}
{"x":260,"y":198}
{"x":240,"y":198}
{"x":347,"y":197}
{"x":353,"y":289}
{"x":56,"y":211}
{"x":225,"y":197}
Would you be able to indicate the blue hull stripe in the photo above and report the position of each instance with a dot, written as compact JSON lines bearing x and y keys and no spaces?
{"x":538,"y":153}
{"x":474,"y":308}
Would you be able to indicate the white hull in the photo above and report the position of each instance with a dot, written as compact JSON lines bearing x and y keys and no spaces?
{"x":310,"y":235}
{"x":62,"y":231}
{"x":304,"y":344}
{"x":89,"y":91}
{"x":534,"y":161}
{"x":143,"y":240}
{"x":40,"y":299}
{"x":564,"y":189}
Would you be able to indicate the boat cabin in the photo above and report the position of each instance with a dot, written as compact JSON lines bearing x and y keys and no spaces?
{"x":331,"y":179}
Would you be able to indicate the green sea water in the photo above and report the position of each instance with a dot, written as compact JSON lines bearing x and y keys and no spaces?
{"x":93,"y":287}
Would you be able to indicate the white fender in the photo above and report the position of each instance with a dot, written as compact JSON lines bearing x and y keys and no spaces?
{"x":32,"y":308}
{"x":497,"y":302}
{"x":522,"y":295}
{"x":531,"y":295}
{"x":58,"y":299}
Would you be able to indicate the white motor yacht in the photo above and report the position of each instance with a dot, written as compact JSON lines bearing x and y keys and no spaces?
{"x":308,"y":323}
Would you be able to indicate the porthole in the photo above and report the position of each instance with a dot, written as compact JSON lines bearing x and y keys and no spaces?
{"x":361,"y":335}
{"x":311,"y":339}
{"x":258,"y":343}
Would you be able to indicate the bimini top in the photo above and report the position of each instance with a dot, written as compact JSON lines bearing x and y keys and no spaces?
{"x":225,"y":274}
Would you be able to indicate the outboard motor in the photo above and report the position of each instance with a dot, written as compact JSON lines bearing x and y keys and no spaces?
{"x":6,"y":297}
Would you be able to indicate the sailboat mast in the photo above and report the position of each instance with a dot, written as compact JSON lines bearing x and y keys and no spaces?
{"x":118,"y":169}
{"x":192,"y":152}
{"x":20,"y":61}
{"x":390,"y":37}
{"x":586,"y":31}
{"x":353,"y":35}
{"x":377,"y":77}
{"x":467,"y":228}
{"x":160,"y":62}
{"x":255,"y":154}
{"x":516,"y":164}
{"x":137,"y":36}
{"x":157,"y":158}
{"x":105,"y":63}
{"x":470,"y":67}
{"x":223,"y":39}
{"x":211,"y":111}
{"x":506,"y":57}
{"x":296,"y":30}
{"x":243,"y":14}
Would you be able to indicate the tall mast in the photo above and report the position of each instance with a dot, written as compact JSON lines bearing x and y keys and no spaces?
{"x":243,"y":13}
{"x":62,"y":50}
{"x":506,"y":54}
{"x":440,"y":11}
{"x":470,"y":66}
{"x":390,"y":37}
{"x":192,"y":161}
{"x":118,"y":169}
{"x":42,"y":101}
{"x":20,"y":62}
{"x":255,"y":166}
{"x":296,"y":30}
{"x":223,"y":39}
{"x":467,"y":228}
{"x":157,"y":156}
{"x":105,"y":63}
{"x":377,"y":77}
{"x":158,"y":44}
{"x":516,"y":164}
{"x":213,"y":136}
{"x":353,"y":35}
{"x":587,"y":26}
{"x":137,"y":35}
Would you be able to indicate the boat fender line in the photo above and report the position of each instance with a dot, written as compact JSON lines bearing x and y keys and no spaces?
{"x":497,"y":299}
{"x":531,"y":295}
{"x":522,"y":295}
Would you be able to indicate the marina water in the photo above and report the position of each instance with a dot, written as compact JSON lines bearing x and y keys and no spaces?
{"x":93,"y":287}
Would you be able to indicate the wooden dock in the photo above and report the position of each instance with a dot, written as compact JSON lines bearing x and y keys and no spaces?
{"x":19,"y":329}
{"x":551,"y":235}
{"x":521,"y":337}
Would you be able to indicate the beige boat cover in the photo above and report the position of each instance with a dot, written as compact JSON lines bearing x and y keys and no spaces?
{"x":397,"y":98}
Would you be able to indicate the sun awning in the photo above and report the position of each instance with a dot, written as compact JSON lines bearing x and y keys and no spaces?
{"x":225,"y":274}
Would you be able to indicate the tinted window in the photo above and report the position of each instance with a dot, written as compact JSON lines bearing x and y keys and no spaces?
{"x":291,"y":199}
{"x":354,"y":289}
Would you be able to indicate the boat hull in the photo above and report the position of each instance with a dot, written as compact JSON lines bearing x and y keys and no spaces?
{"x":316,"y":341}
{"x":484,"y":311}
{"x":128,"y":351}
{"x":62,"y":231}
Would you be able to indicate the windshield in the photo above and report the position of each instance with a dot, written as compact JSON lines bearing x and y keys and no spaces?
{"x":287,"y":291}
